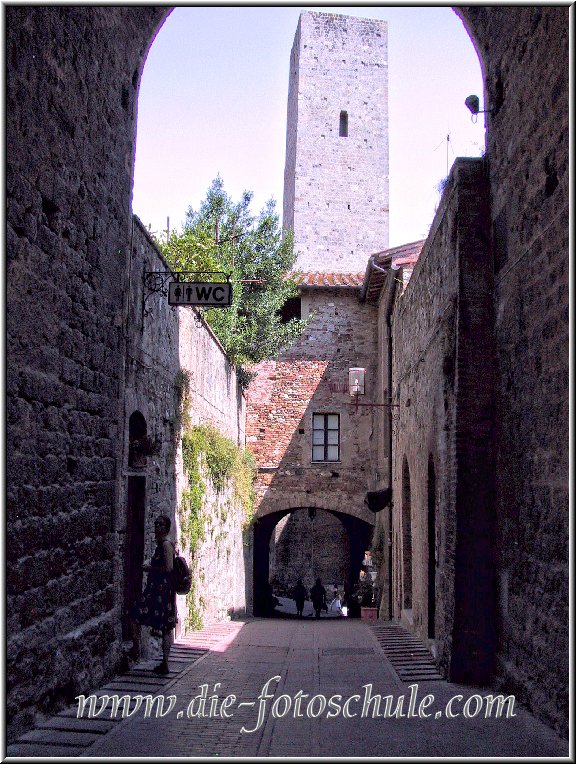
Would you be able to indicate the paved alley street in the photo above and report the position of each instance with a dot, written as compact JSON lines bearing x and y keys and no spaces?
{"x":333,"y":658}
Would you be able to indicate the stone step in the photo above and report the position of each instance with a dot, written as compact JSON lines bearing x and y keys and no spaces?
{"x":45,"y":750}
{"x":60,"y":737}
{"x":61,"y":722}
{"x":409,"y":657}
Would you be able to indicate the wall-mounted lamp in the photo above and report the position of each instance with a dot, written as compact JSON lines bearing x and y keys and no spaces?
{"x":356,"y":379}
{"x":473,"y":106}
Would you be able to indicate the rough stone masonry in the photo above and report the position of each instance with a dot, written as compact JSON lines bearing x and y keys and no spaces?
{"x":336,"y":173}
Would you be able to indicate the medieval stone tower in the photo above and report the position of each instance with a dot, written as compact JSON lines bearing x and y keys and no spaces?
{"x":336,"y":173}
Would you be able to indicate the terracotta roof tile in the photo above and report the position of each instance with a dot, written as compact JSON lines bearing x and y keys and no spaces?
{"x":318,"y":279}
{"x":402,"y":256}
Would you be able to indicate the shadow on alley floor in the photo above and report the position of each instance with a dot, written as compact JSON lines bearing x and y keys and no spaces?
{"x":300,"y":688}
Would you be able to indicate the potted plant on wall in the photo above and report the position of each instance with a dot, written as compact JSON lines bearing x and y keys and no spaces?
{"x":366,"y":591}
{"x":366,"y":597}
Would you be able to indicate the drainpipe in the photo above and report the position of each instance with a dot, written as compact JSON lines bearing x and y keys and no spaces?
{"x":392,"y":292}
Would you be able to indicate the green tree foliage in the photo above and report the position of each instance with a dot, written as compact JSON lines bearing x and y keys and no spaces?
{"x":223,"y":235}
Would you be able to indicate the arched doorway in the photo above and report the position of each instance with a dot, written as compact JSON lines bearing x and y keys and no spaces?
{"x":159,"y":144}
{"x":432,"y":557}
{"x":357,"y":532}
{"x":406,"y":538}
{"x":137,"y":436}
{"x":135,"y":519}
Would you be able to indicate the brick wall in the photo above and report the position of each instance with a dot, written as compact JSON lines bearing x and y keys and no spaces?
{"x":287,"y":391}
{"x":280,"y":404}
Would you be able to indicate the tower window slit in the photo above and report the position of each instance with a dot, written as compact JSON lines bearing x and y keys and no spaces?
{"x":343,"y":124}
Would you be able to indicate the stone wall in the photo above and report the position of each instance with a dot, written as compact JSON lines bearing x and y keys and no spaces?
{"x":71,"y":91}
{"x":443,"y":361}
{"x":525,"y":57}
{"x":336,"y":188}
{"x":68,"y":613}
{"x":163,"y":345}
{"x":386,"y":416}
{"x":309,"y":548}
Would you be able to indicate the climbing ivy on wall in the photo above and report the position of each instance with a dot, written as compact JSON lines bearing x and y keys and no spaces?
{"x":226,"y":464}
{"x":182,"y":385}
{"x":207,"y":454}
{"x":194,"y":619}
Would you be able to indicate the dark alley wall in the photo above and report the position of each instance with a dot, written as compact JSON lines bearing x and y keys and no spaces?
{"x":443,"y":365}
{"x":71,"y":93}
{"x":524,"y":52}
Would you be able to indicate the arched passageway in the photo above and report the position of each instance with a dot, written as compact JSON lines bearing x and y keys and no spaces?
{"x":355,"y":539}
{"x":307,"y":545}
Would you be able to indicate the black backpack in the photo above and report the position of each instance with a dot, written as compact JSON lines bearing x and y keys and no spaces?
{"x":181,"y":575}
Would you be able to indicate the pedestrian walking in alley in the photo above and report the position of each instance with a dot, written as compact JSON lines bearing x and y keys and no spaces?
{"x":299,"y":595}
{"x":350,"y":602}
{"x":336,"y":604}
{"x":157,"y":606}
{"x":318,"y":595}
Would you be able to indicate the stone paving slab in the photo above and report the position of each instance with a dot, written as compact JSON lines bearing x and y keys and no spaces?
{"x":43,"y":750}
{"x":66,"y":735}
{"x":302,"y":653}
{"x":77,"y":725}
{"x":72,"y":712}
{"x":330,"y":658}
{"x":71,"y":738}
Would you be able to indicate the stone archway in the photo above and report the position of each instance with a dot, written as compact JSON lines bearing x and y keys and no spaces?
{"x":308,"y":545}
{"x":358,"y":532}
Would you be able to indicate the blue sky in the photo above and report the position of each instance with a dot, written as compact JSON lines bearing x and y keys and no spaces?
{"x":213,"y":101}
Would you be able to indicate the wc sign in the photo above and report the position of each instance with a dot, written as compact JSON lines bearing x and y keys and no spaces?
{"x":209,"y":295}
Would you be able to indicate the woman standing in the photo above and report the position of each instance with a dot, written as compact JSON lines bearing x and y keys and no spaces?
{"x":157,"y":606}
{"x":299,"y":595}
